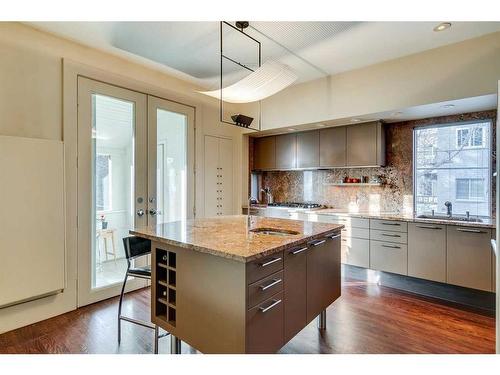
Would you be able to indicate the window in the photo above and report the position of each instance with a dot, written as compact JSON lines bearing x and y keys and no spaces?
{"x":471,"y":189}
{"x":452,"y":162}
{"x":103,"y":182}
{"x":470,"y":137}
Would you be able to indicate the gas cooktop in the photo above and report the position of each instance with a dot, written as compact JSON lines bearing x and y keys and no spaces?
{"x":295,"y":205}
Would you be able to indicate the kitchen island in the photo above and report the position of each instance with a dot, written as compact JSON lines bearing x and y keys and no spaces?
{"x":238,"y":284}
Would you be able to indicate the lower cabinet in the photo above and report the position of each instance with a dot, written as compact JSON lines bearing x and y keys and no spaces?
{"x":295,"y":291}
{"x":389,"y":257}
{"x":323,"y":275}
{"x":427,"y":251}
{"x":265,"y":326}
{"x":469,"y":257}
{"x":356,"y":251}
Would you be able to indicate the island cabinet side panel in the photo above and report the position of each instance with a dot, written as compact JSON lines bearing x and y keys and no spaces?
{"x":323,"y":274}
{"x":210,"y":301}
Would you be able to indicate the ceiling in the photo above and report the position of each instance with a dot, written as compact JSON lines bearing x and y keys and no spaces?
{"x":190,"y":50}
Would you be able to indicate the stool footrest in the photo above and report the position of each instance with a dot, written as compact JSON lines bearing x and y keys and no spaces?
{"x":136,"y":321}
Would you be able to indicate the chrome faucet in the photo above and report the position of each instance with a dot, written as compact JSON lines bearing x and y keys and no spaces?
{"x":449,"y":208}
{"x":269,"y":196}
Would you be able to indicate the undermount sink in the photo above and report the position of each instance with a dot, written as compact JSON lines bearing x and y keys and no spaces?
{"x":451,"y":218}
{"x":274,"y":231}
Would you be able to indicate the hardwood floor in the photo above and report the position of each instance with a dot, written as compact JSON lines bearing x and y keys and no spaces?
{"x":367,"y":318}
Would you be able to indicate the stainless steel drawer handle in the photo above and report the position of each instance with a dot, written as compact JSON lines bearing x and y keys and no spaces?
{"x":319,"y":243}
{"x":470,"y":230}
{"x":390,"y":235}
{"x":270,"y":285}
{"x":333,"y":236}
{"x":270,"y":262}
{"x":392,"y":247}
{"x":420,"y":226}
{"x":397,"y":224}
{"x":275,"y":303}
{"x":298,"y":251}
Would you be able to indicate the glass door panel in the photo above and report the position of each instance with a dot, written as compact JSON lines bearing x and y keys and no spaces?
{"x":113,"y":187}
{"x":171,"y":130}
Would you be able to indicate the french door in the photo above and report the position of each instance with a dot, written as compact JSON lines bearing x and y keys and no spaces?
{"x":135,"y":168}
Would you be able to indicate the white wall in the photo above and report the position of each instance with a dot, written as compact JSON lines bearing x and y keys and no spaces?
{"x":31,"y":105}
{"x":462,"y":70}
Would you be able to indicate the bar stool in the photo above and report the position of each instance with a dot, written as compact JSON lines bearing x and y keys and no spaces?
{"x":136,"y":247}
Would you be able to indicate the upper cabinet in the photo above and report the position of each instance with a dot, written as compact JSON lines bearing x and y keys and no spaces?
{"x":332,"y":147}
{"x":308,"y":149}
{"x":265,"y":153}
{"x":360,"y":145}
{"x":365,"y":145}
{"x":286,"y":151}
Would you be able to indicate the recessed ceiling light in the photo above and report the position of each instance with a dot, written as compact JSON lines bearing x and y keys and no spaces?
{"x":291,"y":129}
{"x":320,"y":125}
{"x":442,"y":26}
{"x":355,"y":120}
{"x":396,"y":113}
{"x":448,"y":106}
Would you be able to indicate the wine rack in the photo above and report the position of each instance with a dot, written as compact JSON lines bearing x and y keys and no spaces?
{"x":166,"y":286}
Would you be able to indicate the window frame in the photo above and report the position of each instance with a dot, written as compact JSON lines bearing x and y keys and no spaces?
{"x":469,"y":146}
{"x":481,"y":199}
{"x":489,"y":121}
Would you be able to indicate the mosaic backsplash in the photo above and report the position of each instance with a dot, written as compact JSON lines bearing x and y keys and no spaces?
{"x":396,"y":192}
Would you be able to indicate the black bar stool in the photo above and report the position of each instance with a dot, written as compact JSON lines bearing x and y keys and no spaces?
{"x":136,"y":247}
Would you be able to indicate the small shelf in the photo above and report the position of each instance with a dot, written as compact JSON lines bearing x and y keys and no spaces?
{"x":354,"y":184}
{"x":166,"y":303}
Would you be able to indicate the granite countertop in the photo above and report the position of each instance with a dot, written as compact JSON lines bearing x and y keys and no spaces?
{"x":228,"y":237}
{"x":486,"y":223}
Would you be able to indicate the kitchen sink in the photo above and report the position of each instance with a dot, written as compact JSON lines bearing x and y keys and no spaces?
{"x":274,"y":231}
{"x":451,"y":218}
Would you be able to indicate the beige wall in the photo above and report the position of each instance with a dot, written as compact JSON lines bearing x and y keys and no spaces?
{"x":31,"y":105}
{"x":462,"y":70}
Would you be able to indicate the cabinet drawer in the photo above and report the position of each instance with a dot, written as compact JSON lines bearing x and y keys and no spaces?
{"x":356,"y":232}
{"x":355,"y":222}
{"x":389,"y":257}
{"x":265,"y":288}
{"x":263,"y":267}
{"x":356,"y":252}
{"x":265,"y":326}
{"x":387,"y":236}
{"x":389,"y":225}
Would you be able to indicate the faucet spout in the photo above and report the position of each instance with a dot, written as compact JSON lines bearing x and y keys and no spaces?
{"x":449,"y":208}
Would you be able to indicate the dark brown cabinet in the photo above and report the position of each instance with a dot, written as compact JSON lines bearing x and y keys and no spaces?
{"x":323,"y":275}
{"x":332,"y":147}
{"x":286,"y":151}
{"x":365,"y":145}
{"x":265,"y":326}
{"x":308,"y":149}
{"x":295,"y":291}
{"x":265,"y":153}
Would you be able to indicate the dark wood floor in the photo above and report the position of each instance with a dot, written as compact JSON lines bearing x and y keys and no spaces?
{"x":368,"y":318}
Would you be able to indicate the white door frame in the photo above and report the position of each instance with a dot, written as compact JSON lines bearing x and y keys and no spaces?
{"x":86,"y":88}
{"x":71,"y":71}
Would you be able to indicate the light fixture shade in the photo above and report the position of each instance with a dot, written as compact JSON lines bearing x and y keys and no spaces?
{"x":267,"y":80}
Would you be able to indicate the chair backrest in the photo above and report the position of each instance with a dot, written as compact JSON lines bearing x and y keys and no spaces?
{"x":136,"y":247}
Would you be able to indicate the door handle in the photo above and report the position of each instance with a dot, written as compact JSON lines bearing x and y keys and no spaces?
{"x":140,"y":212}
{"x":270,"y":262}
{"x":273,"y":283}
{"x":298,"y":251}
{"x":152,"y":212}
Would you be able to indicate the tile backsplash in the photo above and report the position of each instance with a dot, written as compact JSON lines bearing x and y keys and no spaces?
{"x":396,"y":192}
